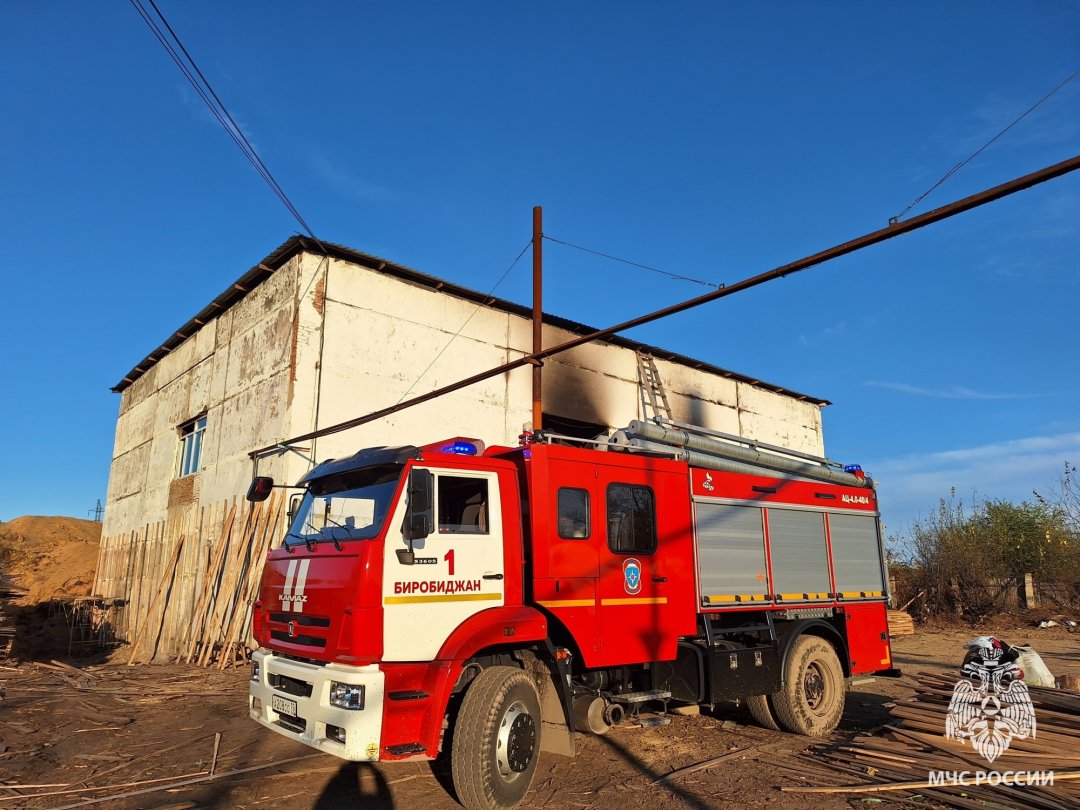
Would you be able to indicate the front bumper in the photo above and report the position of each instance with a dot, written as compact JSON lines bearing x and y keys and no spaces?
{"x":362,"y":727}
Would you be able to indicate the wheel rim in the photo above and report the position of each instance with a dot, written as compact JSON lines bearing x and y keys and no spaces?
{"x":516,"y":743}
{"x":818,"y":688}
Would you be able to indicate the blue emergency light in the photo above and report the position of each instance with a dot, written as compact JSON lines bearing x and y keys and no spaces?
{"x":461,"y":448}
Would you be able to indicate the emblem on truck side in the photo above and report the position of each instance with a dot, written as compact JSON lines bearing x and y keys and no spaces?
{"x":631,"y":570}
{"x":707,"y":483}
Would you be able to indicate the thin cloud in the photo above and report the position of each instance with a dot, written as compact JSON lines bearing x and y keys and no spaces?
{"x":825,"y":334}
{"x":1051,"y":124}
{"x":346,"y":183}
{"x":952,"y":392}
{"x":1023,"y":267}
{"x":910,"y":486}
{"x":198,"y":108}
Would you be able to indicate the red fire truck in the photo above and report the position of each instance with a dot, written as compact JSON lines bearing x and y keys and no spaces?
{"x":484,"y":603}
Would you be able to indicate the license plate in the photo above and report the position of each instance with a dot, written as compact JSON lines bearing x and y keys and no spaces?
{"x":283,"y":705}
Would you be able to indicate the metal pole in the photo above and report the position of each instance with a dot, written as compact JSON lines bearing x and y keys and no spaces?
{"x":894,"y":229}
{"x":537,"y":318}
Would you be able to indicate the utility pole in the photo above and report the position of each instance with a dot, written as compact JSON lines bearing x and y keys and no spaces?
{"x":893,"y":230}
{"x":97,"y":511}
{"x":537,"y":318}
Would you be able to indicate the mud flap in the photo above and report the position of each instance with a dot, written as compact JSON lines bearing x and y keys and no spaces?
{"x":556,"y":731}
{"x":555,"y":736}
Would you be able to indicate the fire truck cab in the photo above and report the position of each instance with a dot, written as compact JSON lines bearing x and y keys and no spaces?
{"x":484,"y":603}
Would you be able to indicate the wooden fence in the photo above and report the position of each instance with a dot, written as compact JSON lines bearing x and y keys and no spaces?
{"x":183,"y":589}
{"x":1021,"y":592}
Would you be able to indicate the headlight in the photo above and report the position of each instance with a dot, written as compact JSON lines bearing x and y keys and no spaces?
{"x":254,"y":670}
{"x":346,"y":696}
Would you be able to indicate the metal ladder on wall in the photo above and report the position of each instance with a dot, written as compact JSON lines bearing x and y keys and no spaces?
{"x":654,"y":401}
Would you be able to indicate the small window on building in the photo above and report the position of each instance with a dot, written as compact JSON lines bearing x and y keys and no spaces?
{"x":463,"y":505}
{"x":631,"y":516}
{"x":573,"y":514}
{"x":191,"y":441}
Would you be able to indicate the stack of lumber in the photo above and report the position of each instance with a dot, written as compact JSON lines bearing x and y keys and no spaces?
{"x":220,"y":620}
{"x":9,"y":590}
{"x":901,"y":623}
{"x":896,"y":763}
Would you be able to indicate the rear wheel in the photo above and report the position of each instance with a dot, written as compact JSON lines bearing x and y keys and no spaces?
{"x":762,"y":712}
{"x":811,"y":698}
{"x":497,"y":739}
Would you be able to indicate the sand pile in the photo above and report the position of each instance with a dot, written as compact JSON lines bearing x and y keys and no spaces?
{"x":50,"y":557}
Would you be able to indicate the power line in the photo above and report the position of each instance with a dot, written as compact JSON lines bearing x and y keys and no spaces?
{"x":633,"y":264}
{"x":981,"y":149}
{"x":187,"y":65}
{"x":235,"y":134}
{"x":843,"y":249}
{"x":506,"y":272}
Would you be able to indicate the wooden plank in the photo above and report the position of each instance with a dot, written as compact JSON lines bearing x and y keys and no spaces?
{"x":219,"y":594}
{"x":228,"y":602}
{"x":166,"y":580}
{"x":241,"y":561}
{"x":209,"y":584}
{"x":261,"y":537}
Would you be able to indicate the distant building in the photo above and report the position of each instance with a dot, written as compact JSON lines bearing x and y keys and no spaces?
{"x":301,"y":341}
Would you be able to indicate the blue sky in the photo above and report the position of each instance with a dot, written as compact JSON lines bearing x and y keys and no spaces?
{"x":711,"y":140}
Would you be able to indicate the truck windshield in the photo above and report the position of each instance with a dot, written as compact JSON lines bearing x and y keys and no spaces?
{"x":349,"y":507}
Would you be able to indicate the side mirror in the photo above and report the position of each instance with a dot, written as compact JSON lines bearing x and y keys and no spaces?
{"x":419,"y":517}
{"x":417,"y":527}
{"x":260,"y":489}
{"x":421,"y":491}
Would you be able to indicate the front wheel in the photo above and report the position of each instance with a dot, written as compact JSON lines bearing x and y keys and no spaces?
{"x":497,"y":739}
{"x":811,"y":698}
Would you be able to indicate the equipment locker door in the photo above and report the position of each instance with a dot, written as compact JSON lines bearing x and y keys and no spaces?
{"x":645,"y":568}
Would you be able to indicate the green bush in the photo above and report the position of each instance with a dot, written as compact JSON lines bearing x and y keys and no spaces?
{"x":969,"y":561}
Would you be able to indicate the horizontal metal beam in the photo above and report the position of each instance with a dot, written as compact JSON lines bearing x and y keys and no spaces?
{"x":893,"y":230}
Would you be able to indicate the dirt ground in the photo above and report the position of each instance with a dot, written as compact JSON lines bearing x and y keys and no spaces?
{"x":95,"y":732}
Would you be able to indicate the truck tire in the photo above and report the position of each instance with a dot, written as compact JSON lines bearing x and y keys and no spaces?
{"x":811,"y":697}
{"x":497,"y":740}
{"x":762,"y":712}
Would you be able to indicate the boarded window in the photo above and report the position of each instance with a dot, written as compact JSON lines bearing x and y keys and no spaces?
{"x":631,"y":516}
{"x":856,"y":554}
{"x":573,"y":513}
{"x":800,"y":559}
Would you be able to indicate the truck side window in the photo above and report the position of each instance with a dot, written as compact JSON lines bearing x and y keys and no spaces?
{"x":573,"y":513}
{"x":631,"y":516}
{"x":463,"y":505}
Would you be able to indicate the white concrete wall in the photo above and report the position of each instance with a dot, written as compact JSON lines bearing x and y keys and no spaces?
{"x":343,"y":340}
{"x":381,"y":334}
{"x":235,"y":370}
